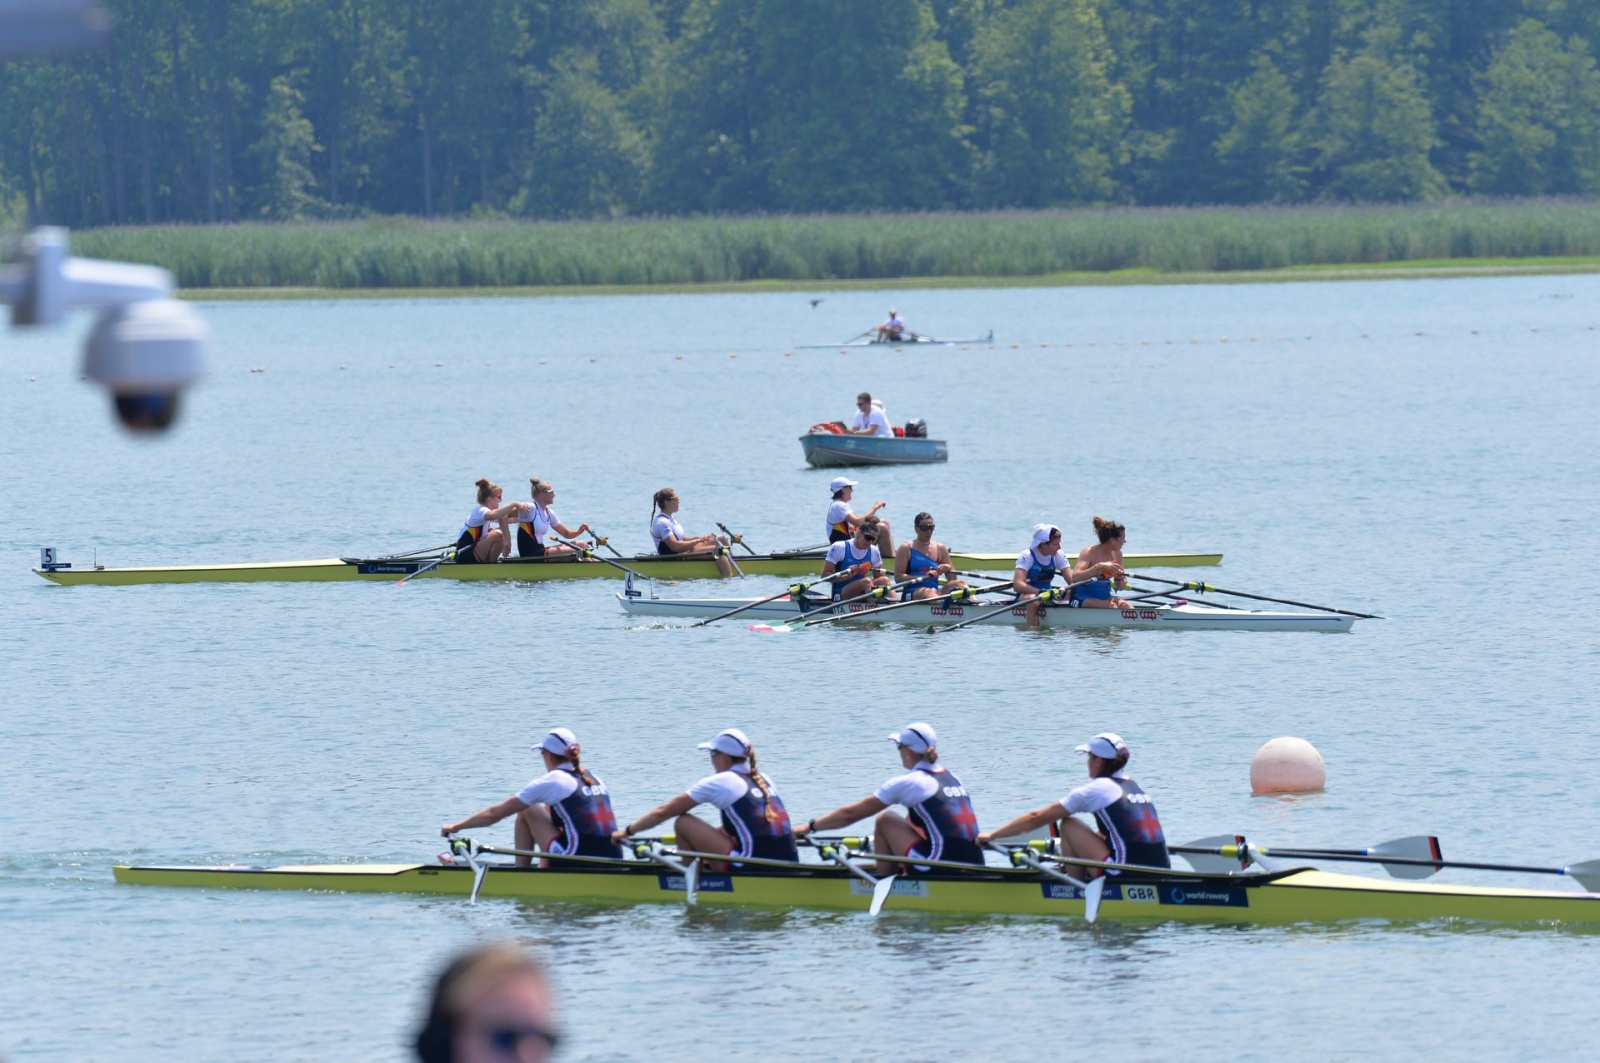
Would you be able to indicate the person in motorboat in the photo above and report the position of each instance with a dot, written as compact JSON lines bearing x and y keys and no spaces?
{"x":1127,"y":830}
{"x":1099,"y":592}
{"x":754,"y":821}
{"x":536,"y":520}
{"x":565,"y":810}
{"x":478,"y":543}
{"x":670,"y":538}
{"x":871,"y":418}
{"x":924,"y":557}
{"x":841,"y":521}
{"x":859,"y":550}
{"x":939,"y":823}
{"x":1039,"y":565}
{"x":893,"y":330}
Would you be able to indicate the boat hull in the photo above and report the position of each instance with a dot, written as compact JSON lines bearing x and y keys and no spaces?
{"x":1284,"y":897}
{"x":825,"y":450}
{"x":336,"y":569}
{"x":1172,"y":618}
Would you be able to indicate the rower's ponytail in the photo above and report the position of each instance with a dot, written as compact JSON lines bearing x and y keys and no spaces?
{"x":1109,"y":529}
{"x":660,"y":497}
{"x":761,"y":783}
{"x":578,"y":769}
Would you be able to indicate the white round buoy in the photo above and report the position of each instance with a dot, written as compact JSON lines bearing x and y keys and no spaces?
{"x":1287,"y":766}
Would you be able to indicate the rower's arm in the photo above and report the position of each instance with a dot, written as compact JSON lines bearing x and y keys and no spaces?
{"x":1020,"y":584}
{"x":843,"y":816}
{"x":1028,"y":821}
{"x":676,"y":807}
{"x":487,"y":816}
{"x":570,"y":533}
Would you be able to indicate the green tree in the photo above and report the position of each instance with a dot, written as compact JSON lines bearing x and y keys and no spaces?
{"x":284,"y":154}
{"x":589,"y":157}
{"x":1372,"y":128}
{"x":1049,"y":115}
{"x":1538,"y":117}
{"x":1260,"y":150}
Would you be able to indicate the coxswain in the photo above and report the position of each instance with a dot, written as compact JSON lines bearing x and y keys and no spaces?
{"x":479,"y":543}
{"x":1098,"y":591}
{"x":871,"y":418}
{"x":670,"y":538}
{"x":893,"y":330}
{"x":754,"y":821}
{"x":924,"y":557}
{"x":536,"y":520}
{"x":859,"y":553}
{"x":1129,"y":831}
{"x":1039,"y":565}
{"x":940,"y":823}
{"x":841,"y":521}
{"x":565,"y":810}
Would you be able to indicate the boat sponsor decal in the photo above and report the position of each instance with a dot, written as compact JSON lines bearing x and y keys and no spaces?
{"x":1061,"y":891}
{"x":903,"y":887}
{"x":1209,"y":896}
{"x":954,"y":610}
{"x":1151,"y":893}
{"x":708,"y":883}
{"x":1141,"y":614}
{"x":385,"y":568}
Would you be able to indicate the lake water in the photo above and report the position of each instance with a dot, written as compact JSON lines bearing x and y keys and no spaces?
{"x":1426,"y":450}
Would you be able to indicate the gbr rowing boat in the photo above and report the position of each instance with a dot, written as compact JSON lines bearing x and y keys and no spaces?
{"x":564,"y":566}
{"x":1288,"y":896}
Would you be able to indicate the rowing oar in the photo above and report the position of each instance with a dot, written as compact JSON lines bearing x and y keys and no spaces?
{"x":601,"y":540}
{"x":840,"y":854}
{"x":959,"y":595}
{"x":1204,"y":587}
{"x":796,"y":589}
{"x":736,"y":540}
{"x":412,"y":553}
{"x":429,"y":567}
{"x":1417,"y":856}
{"x":1092,"y":888}
{"x":584,"y":551}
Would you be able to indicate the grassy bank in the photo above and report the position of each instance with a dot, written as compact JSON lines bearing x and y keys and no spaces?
{"x":1047,"y":246}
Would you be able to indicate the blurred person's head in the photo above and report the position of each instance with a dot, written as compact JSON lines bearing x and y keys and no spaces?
{"x":492,"y":1005}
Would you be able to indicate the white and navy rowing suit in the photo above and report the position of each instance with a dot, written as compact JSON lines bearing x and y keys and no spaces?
{"x":758,"y":828}
{"x":665,"y":527}
{"x":1039,"y":572}
{"x":844,"y":555}
{"x":532,"y":532}
{"x":471,"y":532}
{"x":939,"y":809}
{"x":580,"y":805}
{"x":1126,"y":818}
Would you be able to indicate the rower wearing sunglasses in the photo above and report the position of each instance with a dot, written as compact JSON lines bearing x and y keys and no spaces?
{"x":1040,"y":564}
{"x":924,"y":557}
{"x":939,"y":823}
{"x":860,"y":549}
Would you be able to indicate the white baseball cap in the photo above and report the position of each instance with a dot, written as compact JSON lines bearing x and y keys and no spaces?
{"x":1042,"y":533}
{"x":1105,"y":745}
{"x":919,"y":737}
{"x":558,"y":741}
{"x":731,"y":742}
{"x":839,"y":484}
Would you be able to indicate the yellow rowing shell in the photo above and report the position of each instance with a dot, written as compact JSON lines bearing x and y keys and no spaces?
{"x":339,"y":569}
{"x":1276,"y":898}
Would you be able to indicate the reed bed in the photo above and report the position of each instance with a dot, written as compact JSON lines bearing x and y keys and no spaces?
{"x":411,"y":253}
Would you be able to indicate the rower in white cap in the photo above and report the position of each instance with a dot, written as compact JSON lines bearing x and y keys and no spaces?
{"x":565,"y":810}
{"x":940,"y":823}
{"x":1129,"y":829}
{"x":1040,"y":564}
{"x":842,"y":522}
{"x":754,"y":821}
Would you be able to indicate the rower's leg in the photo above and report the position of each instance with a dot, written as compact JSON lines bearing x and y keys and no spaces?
{"x":490,"y":546}
{"x":534,"y":825}
{"x":892,"y":835}
{"x":695,"y":833}
{"x":724,"y":566}
{"x":856,"y":588}
{"x":1079,"y":841}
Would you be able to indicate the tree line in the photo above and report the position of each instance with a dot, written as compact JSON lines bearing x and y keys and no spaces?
{"x":232,"y":110}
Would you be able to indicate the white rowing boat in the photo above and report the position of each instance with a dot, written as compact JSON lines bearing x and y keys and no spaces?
{"x":910,"y":340}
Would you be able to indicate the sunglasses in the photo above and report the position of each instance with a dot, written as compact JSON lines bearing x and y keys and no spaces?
{"x":508,"y":1040}
{"x":869,"y":538}
{"x":925,"y":527}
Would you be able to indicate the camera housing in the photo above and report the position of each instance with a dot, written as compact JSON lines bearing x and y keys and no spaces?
{"x":146,"y":354}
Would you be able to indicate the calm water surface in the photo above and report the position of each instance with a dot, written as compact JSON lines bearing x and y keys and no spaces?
{"x":1424,"y":449}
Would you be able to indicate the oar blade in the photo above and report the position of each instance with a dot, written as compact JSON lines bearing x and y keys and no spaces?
{"x":1091,"y":898}
{"x":1413,"y":847}
{"x":1586,"y":874}
{"x":1214,"y":863}
{"x":479,"y":872}
{"x":880,"y":893}
{"x":691,"y":883}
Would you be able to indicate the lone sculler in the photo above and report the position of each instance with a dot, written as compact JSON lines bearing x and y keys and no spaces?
{"x":939,"y":823}
{"x":566,"y":810}
{"x":893,"y":330}
{"x":1039,"y":565}
{"x":754,"y":821}
{"x":670,"y":538}
{"x":477,"y":542}
{"x":1129,"y":831}
{"x":924,"y":557}
{"x":536,"y":520}
{"x":859,"y":553}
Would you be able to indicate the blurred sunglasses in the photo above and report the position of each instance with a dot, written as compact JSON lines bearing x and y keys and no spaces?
{"x":508,"y":1040}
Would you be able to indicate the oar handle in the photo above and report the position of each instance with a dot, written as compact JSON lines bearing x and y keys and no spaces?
{"x":1202,"y":588}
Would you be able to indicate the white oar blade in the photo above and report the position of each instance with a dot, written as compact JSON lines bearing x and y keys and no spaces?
{"x":478,"y":873}
{"x":1586,"y":874}
{"x":880,"y":893}
{"x":1414,"y":847}
{"x":1091,"y":898}
{"x":691,"y":882}
{"x":1213,"y":863}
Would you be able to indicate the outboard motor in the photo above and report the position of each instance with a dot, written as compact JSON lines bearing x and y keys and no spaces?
{"x":916,"y":428}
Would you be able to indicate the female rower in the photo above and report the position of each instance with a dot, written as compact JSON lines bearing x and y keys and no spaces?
{"x":940,"y":824}
{"x":754,"y":821}
{"x":1039,"y":565}
{"x":841,"y":522}
{"x":924,"y":557}
{"x":479,"y":543}
{"x":670,"y":538}
{"x":565,"y":810}
{"x":1093,"y":591}
{"x":861,"y":553}
{"x":1130,"y":831}
{"x":536,"y":521}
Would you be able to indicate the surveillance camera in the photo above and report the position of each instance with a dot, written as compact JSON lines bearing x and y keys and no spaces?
{"x":146,"y":353}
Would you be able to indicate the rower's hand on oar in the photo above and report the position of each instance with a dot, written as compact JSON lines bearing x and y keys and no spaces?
{"x":985,"y":837}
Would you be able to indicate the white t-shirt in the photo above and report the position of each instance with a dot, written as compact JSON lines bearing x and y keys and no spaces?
{"x":909,"y":789}
{"x":1094,"y":795}
{"x":838,"y":510}
{"x":1056,"y":561}
{"x":665,"y":527}
{"x":836,"y":554}
{"x":475,"y":519}
{"x":723,"y":788}
{"x":550,"y":787}
{"x":874,"y":419}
